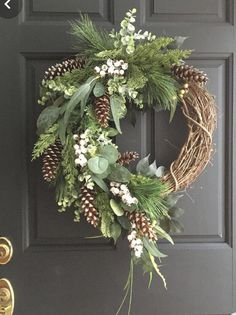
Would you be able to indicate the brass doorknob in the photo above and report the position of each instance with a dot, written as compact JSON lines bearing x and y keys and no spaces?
{"x":6,"y":251}
{"x":6,"y":297}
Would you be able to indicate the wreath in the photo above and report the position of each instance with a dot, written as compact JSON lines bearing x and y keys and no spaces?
{"x":85,"y":97}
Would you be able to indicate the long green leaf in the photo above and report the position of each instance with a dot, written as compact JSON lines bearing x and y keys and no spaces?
{"x":80,"y":96}
{"x":116,"y":109}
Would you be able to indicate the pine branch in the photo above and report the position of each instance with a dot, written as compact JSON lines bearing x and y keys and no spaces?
{"x":90,"y":39}
{"x":150,"y":194}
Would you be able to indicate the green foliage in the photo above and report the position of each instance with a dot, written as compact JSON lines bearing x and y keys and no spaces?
{"x":99,"y":89}
{"x":107,"y":216}
{"x":80,"y":97}
{"x":90,"y":39}
{"x":45,"y":140}
{"x":150,"y":193}
{"x":109,"y":152}
{"x":116,"y":104}
{"x":112,"y":53}
{"x":117,"y":209}
{"x":98,"y":164}
{"x":171,"y":224}
{"x":47,"y":118}
{"x":70,"y":171}
{"x":119,"y":174}
{"x":136,"y":78}
{"x":161,"y":90}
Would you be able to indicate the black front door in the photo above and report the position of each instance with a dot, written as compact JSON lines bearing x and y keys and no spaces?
{"x":54,"y":269}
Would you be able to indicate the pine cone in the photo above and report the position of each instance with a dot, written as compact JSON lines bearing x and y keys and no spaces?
{"x":51,"y":160}
{"x":59,"y":69}
{"x":127,"y":157}
{"x":142,"y":224}
{"x":102,"y":110}
{"x":87,"y":205}
{"x":189,"y":73}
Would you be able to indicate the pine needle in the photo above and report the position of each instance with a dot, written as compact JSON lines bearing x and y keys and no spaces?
{"x":90,"y":39}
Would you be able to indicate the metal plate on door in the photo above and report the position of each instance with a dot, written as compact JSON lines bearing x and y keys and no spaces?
{"x":6,"y":251}
{"x":6,"y":297}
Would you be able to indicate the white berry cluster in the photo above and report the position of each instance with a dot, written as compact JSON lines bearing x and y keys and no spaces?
{"x":145,"y":35}
{"x":81,"y":148}
{"x":135,"y":243}
{"x":112,"y":67}
{"x":121,"y":190}
{"x":89,"y":183}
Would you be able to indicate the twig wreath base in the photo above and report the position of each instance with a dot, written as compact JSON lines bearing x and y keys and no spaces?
{"x":84,"y":98}
{"x":199,"y":108}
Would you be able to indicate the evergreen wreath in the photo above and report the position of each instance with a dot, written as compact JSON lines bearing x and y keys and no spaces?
{"x":85,"y":97}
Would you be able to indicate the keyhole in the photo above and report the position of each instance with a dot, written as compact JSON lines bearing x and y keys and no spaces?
{"x":5,"y":296}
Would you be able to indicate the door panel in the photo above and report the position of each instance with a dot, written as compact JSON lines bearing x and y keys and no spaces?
{"x":55,"y":270}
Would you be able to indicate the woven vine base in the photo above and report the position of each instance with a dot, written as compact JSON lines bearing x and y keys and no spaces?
{"x":199,"y":108}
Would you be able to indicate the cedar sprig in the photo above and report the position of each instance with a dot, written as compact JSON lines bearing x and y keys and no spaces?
{"x":45,"y":140}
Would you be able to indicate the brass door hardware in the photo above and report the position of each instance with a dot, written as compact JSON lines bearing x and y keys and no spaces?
{"x":6,"y":297}
{"x":6,"y":290}
{"x":6,"y":251}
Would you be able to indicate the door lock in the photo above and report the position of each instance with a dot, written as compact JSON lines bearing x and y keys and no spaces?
{"x":6,"y":290}
{"x":6,"y":297}
{"x":6,"y":251}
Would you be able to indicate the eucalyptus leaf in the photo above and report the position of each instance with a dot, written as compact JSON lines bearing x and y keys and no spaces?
{"x":115,"y":231}
{"x":109,"y":152}
{"x":99,"y":89}
{"x":143,"y":166}
{"x":151,"y":247}
{"x":152,"y":168}
{"x":178,"y":42}
{"x":105,"y":174}
{"x":160,"y":171}
{"x":116,"y":208}
{"x":80,"y":96}
{"x":100,"y":182}
{"x":176,"y":227}
{"x":119,"y":174}
{"x":47,"y":118}
{"x":59,"y":101}
{"x":176,"y":212}
{"x":172,"y":199}
{"x":112,"y":132}
{"x":98,"y":164}
{"x":163,"y":234}
{"x":62,"y":131}
{"x":124,"y":222}
{"x":116,"y":109}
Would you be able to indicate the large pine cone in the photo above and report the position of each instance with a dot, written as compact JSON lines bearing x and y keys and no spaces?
{"x":51,"y":160}
{"x":87,"y":204}
{"x":127,"y":157}
{"x":102,"y":110}
{"x":142,"y":224}
{"x":188,"y":73}
{"x":59,"y":69}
